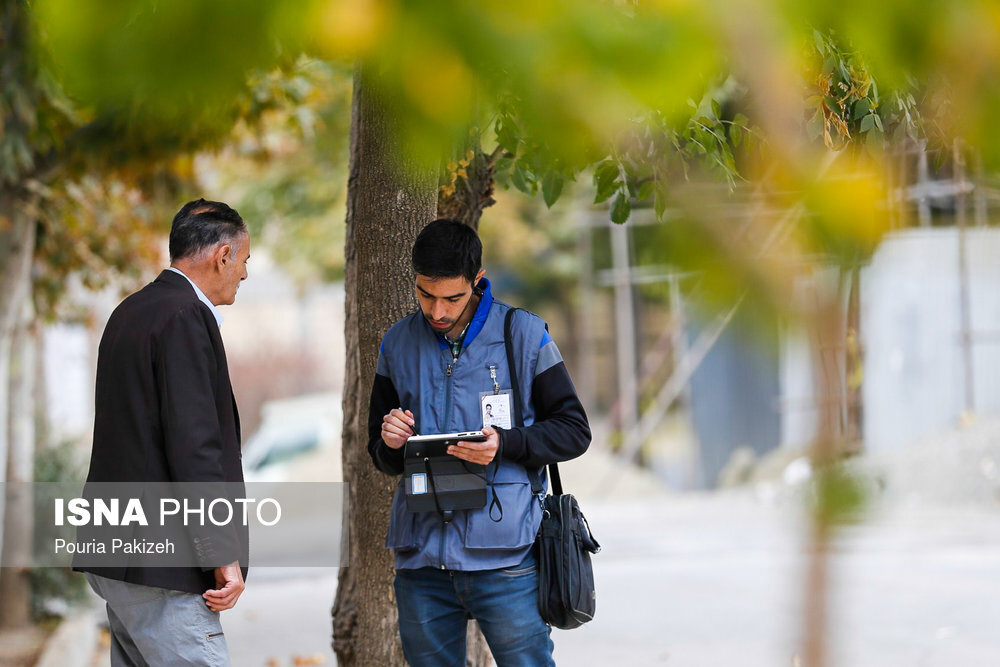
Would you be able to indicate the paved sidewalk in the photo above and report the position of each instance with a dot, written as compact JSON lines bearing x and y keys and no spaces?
{"x":719,"y":581}
{"x":716,"y":580}
{"x":713,"y":580}
{"x":283,"y":618}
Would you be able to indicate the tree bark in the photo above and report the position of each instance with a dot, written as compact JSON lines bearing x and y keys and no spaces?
{"x":388,"y":202}
{"x":15,"y":586}
{"x":468,"y":195}
{"x":17,"y":241}
{"x":827,"y":325}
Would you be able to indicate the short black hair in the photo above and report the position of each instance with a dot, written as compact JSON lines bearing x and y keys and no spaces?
{"x":446,"y":249}
{"x":201,"y":224}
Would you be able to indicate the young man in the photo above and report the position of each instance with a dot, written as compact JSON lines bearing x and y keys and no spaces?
{"x":165,"y":412}
{"x":437,"y":371}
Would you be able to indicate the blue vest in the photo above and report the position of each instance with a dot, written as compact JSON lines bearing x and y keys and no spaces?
{"x":444,"y":396}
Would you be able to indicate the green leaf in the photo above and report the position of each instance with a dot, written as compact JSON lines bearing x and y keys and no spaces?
{"x":843,"y":71}
{"x":818,"y":41}
{"x":814,"y":128}
{"x":740,"y":120}
{"x":552,"y":186}
{"x":736,"y":135}
{"x":874,"y":143}
{"x":878,"y":122}
{"x":899,"y":134}
{"x":631,"y":185}
{"x":660,"y":204}
{"x":727,"y":158}
{"x":868,"y":122}
{"x":503,"y":172}
{"x":503,"y":165}
{"x":522,"y":181}
{"x":621,"y":209}
{"x":507,"y":135}
{"x":716,"y":109}
{"x":605,"y":180}
{"x":861,"y":107}
{"x":646,"y":189}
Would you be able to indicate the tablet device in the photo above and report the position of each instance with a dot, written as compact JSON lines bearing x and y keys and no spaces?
{"x":433,"y":479}
{"x":419,"y":446}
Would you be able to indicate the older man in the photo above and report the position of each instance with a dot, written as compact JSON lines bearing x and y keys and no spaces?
{"x":165,"y":412}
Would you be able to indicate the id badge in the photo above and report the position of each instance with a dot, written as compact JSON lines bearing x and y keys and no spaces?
{"x":495,"y":409}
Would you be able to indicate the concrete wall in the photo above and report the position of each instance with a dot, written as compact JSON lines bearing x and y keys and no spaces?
{"x":734,"y":397}
{"x":910,"y":321}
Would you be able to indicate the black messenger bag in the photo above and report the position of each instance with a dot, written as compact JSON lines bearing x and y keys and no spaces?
{"x":566,"y":595}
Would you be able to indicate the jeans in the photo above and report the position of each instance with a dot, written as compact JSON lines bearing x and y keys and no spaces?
{"x":155,"y":626}
{"x":435,"y":605}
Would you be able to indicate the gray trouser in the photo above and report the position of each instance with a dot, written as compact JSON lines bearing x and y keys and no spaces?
{"x":157,"y":627}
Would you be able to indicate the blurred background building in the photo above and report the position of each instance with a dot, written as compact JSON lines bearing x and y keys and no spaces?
{"x":695,"y":395}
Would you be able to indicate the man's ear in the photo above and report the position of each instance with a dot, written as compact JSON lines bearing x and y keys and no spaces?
{"x":223,"y":255}
{"x":479,"y":276}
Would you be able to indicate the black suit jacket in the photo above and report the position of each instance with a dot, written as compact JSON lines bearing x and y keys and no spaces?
{"x":165,"y":412}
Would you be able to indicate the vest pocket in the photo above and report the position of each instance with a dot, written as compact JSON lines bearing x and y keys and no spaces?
{"x":519,"y":525}
{"x":402,"y":534}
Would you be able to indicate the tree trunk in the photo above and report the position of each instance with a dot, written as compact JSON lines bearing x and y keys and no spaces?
{"x":464,"y":201}
{"x":827,"y":325}
{"x":15,"y":586}
{"x":387,"y":206}
{"x":17,"y":241}
{"x":471,"y":187}
{"x":39,"y":386}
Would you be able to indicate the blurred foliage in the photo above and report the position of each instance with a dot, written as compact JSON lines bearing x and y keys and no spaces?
{"x":103,"y":182}
{"x":60,"y":462}
{"x":54,"y":588}
{"x":838,"y":495}
{"x":847,"y":103}
{"x":952,"y":48}
{"x":531,"y":252}
{"x":286,"y":172}
{"x":94,"y":220}
{"x":652,"y":96}
{"x":789,"y":104}
{"x":35,"y":115}
{"x":94,"y":233}
{"x":157,"y":79}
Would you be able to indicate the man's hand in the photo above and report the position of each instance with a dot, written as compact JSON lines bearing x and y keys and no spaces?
{"x":397,"y":426}
{"x":229,"y":582}
{"x":478,"y":452}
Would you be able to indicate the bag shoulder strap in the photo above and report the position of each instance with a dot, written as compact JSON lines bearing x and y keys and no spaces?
{"x":534,"y":475}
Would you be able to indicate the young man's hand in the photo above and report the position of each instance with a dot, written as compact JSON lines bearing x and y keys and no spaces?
{"x":478,"y":452}
{"x":229,"y":587}
{"x":397,"y":427}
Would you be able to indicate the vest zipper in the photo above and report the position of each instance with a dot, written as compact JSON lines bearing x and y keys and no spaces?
{"x":447,"y":392}
{"x":444,"y":527}
{"x":447,"y":421}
